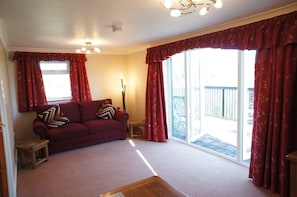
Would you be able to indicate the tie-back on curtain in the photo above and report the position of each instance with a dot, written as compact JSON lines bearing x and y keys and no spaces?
{"x":30,"y":84}
{"x":275,"y":117}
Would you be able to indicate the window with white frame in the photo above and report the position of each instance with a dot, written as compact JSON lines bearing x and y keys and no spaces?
{"x":56,"y":79}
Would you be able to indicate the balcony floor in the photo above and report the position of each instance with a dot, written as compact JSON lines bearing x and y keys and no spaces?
{"x":218,"y":135}
{"x":212,"y":143}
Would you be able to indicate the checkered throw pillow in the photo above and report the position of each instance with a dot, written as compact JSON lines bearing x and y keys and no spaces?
{"x":106,"y":111}
{"x":53,"y":117}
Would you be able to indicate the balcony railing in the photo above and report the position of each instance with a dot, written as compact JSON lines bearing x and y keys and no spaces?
{"x":220,"y":102}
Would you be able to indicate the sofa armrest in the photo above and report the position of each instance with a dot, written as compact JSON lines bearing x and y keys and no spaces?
{"x":123,"y":118}
{"x":40,"y":128}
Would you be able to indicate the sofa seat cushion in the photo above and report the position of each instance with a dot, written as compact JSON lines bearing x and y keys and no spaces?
{"x":101,"y":125}
{"x":68,"y":131}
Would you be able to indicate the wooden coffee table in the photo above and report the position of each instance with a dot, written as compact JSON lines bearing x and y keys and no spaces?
{"x":149,"y":187}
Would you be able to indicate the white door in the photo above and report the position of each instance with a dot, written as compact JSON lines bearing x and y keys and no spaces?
{"x":8,"y":148}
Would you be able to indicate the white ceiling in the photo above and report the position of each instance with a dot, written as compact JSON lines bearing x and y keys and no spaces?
{"x":64,"y":25}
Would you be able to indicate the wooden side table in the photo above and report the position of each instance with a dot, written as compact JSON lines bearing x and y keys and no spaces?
{"x":38,"y":150}
{"x":292,"y":157}
{"x":139,"y":125}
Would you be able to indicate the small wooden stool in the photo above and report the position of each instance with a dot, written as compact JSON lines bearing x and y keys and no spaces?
{"x":139,"y":124}
{"x":37,"y":149}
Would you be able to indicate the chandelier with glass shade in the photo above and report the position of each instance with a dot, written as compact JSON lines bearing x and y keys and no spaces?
{"x":183,"y":7}
{"x":88,"y":49}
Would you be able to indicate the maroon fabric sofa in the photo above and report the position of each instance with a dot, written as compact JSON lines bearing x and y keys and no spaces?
{"x":84,"y":127}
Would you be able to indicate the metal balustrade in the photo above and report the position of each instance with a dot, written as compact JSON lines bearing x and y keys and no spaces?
{"x":220,"y":102}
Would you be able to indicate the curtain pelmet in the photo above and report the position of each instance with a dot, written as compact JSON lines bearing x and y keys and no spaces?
{"x":274,"y":32}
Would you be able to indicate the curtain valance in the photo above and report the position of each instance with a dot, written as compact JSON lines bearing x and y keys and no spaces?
{"x":33,"y":56}
{"x":274,"y":32}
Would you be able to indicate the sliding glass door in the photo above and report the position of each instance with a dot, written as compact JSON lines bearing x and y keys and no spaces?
{"x":219,"y":83}
{"x":178,"y":94}
{"x":209,"y":94}
{"x":247,"y":73}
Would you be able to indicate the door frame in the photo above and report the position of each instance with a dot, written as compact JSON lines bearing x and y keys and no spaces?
{"x":8,"y":141}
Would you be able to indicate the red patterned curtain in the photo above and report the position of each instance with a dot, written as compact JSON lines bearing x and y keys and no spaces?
{"x":79,"y":81}
{"x":156,"y":125}
{"x":30,"y":84}
{"x":274,"y":132}
{"x":275,"y":108}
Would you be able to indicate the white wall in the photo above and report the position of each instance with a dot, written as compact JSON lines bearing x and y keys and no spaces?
{"x":104,"y":76}
{"x":136,"y":85}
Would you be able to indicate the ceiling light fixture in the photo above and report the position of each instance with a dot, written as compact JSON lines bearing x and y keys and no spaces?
{"x":88,"y":49}
{"x":183,"y":7}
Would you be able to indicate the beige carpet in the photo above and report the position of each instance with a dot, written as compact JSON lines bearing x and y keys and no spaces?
{"x":97,"y":169}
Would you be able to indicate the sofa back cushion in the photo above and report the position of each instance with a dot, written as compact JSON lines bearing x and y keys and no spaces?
{"x":70,"y":110}
{"x":89,"y":109}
